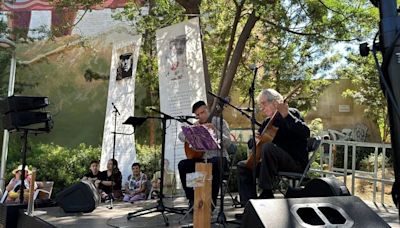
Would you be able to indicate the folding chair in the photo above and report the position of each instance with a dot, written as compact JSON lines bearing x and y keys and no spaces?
{"x":296,"y":179}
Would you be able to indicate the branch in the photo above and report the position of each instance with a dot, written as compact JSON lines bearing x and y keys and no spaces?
{"x":52,"y":52}
{"x":237,"y":53}
{"x":232,"y":39}
{"x":306,"y":34}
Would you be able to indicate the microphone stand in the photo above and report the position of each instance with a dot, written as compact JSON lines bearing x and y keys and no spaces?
{"x":160,"y":207}
{"x":221,"y":218}
{"x":111,"y":196}
{"x":253,"y":123}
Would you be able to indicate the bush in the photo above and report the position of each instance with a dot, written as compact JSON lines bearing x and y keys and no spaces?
{"x":149,"y":158}
{"x":368,"y":162}
{"x":64,"y":166}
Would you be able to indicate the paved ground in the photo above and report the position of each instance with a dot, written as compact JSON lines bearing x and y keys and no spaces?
{"x":102,"y":216}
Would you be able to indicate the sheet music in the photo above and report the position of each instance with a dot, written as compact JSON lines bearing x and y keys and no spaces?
{"x":200,"y":137}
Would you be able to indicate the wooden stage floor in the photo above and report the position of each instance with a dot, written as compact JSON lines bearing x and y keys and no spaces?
{"x":102,"y":216}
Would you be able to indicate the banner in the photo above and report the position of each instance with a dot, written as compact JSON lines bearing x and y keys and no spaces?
{"x":181,"y":79}
{"x":121,"y":95}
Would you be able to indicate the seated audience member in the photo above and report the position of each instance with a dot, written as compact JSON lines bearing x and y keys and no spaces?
{"x":93,"y":173}
{"x":110,"y":181}
{"x":135,"y":186}
{"x":13,"y":187}
{"x":169,"y":181}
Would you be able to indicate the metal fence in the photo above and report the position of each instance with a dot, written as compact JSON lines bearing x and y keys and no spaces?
{"x":351,"y":151}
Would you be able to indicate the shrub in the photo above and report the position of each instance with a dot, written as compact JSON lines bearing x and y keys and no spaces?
{"x":64,"y":166}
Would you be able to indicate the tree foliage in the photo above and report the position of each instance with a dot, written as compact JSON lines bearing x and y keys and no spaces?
{"x":364,"y":75}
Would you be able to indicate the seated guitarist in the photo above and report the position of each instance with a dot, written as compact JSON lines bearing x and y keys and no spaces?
{"x":286,"y":152}
{"x":213,"y":156}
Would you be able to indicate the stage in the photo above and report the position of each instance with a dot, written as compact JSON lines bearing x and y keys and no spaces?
{"x":102,"y":216}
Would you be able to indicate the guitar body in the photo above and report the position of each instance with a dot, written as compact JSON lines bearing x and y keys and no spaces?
{"x":192,"y":154}
{"x":267,"y":137}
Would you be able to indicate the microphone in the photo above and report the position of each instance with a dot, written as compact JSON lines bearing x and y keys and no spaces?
{"x":253,"y":66}
{"x":149,"y":108}
{"x":186,"y":117}
{"x":115,"y":108}
{"x":222,"y":99}
{"x":246,"y":109}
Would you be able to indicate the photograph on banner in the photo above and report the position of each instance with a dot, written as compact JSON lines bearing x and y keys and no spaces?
{"x":125,"y":65}
{"x":120,"y":106}
{"x":176,"y":58}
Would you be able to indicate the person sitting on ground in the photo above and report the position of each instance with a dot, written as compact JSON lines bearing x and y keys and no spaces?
{"x":110,"y":181}
{"x":93,"y":173}
{"x":169,"y":181}
{"x":13,"y":187}
{"x":135,"y":186}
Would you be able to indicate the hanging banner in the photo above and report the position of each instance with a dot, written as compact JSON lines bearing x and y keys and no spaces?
{"x":181,"y":79}
{"x":121,"y":97}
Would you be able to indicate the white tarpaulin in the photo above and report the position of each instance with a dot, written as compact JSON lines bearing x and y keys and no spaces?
{"x":181,"y":79}
{"x":121,"y":93}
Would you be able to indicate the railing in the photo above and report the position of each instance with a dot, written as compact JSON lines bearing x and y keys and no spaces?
{"x":350,"y":148}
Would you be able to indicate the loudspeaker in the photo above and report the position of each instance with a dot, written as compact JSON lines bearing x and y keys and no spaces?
{"x":80,"y":197}
{"x":319,"y":187}
{"x":9,"y":214}
{"x":22,"y":103}
{"x":335,"y":211}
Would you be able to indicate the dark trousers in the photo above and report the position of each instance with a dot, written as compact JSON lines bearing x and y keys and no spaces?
{"x":274,"y":159}
{"x":188,"y":166}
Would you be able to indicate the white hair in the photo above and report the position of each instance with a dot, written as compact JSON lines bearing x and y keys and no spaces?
{"x":271,"y":95}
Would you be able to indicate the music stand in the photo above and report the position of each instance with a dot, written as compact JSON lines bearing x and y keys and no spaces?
{"x":160,"y":207}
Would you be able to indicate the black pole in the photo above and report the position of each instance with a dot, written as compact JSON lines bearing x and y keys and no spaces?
{"x":164,"y":124}
{"x":390,"y":47}
{"x":253,"y":123}
{"x":221,"y":215}
{"x":116,"y":112}
{"x":23,"y":151}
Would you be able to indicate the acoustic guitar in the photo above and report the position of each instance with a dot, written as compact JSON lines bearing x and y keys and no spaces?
{"x":268,"y":134}
{"x":191,"y":153}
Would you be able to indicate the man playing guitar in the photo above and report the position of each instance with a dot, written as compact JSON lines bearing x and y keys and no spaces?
{"x":281,"y":142}
{"x":213,"y":156}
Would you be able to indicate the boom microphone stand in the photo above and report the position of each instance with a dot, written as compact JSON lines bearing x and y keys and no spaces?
{"x":221,"y":218}
{"x":160,"y":207}
{"x":253,"y":123}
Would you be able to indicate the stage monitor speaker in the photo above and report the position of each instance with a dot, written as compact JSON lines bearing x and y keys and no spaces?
{"x":319,"y":187}
{"x":335,"y":211}
{"x":80,"y":197}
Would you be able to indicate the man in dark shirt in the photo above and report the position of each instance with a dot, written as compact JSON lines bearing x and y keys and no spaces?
{"x":93,"y":173}
{"x":286,"y":152}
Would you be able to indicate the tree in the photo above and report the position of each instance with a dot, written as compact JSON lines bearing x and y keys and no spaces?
{"x":363,"y":74}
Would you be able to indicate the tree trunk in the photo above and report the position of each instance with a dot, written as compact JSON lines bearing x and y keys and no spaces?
{"x":231,"y":41}
{"x":236,"y":57}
